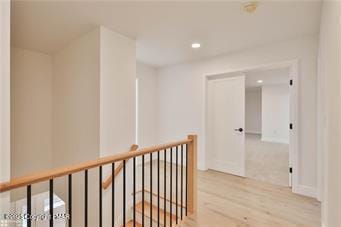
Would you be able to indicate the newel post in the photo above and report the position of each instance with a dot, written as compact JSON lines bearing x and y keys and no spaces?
{"x":192,"y":174}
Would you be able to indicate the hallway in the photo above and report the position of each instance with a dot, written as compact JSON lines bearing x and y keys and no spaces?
{"x":226,"y":200}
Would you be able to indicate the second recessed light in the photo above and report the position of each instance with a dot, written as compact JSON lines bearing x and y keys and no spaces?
{"x":260,"y":81}
{"x":196,"y":45}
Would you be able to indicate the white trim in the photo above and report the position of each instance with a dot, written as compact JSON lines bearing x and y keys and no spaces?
{"x":294,"y":104}
{"x":5,"y":152}
{"x":294,"y":119}
{"x":136,"y":111}
{"x":275,"y":140}
{"x":251,"y":132}
{"x":306,"y":191}
{"x":320,"y":132}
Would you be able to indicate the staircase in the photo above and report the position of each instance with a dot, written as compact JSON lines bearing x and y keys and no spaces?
{"x":131,"y":224}
{"x":147,"y":206}
{"x":145,"y":209}
{"x":172,"y":192}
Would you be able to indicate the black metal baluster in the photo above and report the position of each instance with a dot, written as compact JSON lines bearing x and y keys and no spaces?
{"x":142,"y":190}
{"x":51,"y":202}
{"x":113,"y":194}
{"x":171,"y":185}
{"x":181,"y":179}
{"x":134,"y":191}
{"x":158,"y":188}
{"x":28,"y":211}
{"x":186,"y":177}
{"x":70,"y":199}
{"x":176,"y":183}
{"x":86,"y":198}
{"x":100,"y":196}
{"x":151,"y":189}
{"x":165,"y":188}
{"x":124,"y":193}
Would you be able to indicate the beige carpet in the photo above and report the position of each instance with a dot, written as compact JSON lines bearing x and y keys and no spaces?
{"x":265,"y":161}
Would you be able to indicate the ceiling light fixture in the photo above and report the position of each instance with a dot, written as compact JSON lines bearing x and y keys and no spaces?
{"x":196,"y":45}
{"x":259,"y":81}
{"x":250,"y":7}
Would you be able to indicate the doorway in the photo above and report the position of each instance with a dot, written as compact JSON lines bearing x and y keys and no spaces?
{"x":267,"y":126}
{"x":249,"y":124}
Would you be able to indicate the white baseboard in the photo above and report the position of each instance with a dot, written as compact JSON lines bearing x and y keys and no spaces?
{"x":306,"y":191}
{"x":275,"y":140}
{"x":202,"y":167}
{"x":252,"y":132}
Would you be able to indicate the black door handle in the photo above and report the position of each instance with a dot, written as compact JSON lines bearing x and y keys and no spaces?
{"x":239,"y":129}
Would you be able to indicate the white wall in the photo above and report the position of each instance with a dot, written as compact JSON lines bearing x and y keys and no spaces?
{"x":147,"y":105}
{"x":76,"y":118}
{"x":275,"y":113}
{"x":76,"y":84}
{"x":4,"y":100}
{"x":73,"y":106}
{"x":31,"y":111}
{"x":117,"y":89}
{"x":330,"y":112}
{"x":182,"y":90}
{"x":31,"y":114}
{"x":117,"y":109}
{"x":253,"y":111}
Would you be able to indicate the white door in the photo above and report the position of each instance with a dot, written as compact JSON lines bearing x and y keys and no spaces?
{"x":226,"y":111}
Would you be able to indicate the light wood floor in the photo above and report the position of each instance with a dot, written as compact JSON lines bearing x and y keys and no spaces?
{"x":226,"y":200}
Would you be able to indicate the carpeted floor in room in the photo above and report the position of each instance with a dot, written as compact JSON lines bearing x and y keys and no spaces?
{"x":266,"y":161}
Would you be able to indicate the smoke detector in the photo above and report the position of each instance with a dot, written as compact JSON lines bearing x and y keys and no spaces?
{"x":250,"y":7}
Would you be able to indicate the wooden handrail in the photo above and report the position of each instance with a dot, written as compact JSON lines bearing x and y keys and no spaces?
{"x":192,"y":173}
{"x":64,"y":171}
{"x":106,"y":183}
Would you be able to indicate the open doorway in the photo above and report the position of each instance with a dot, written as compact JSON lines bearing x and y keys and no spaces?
{"x":267,"y":126}
{"x":250,"y":118}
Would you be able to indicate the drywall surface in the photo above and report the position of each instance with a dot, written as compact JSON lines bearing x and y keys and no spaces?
{"x":253,"y":111}
{"x":330,"y":111}
{"x":147,"y":105}
{"x":182,"y":91}
{"x":31,"y":114}
{"x":117,"y":109}
{"x":117,"y":89}
{"x":275,"y":113}
{"x":4,"y":101}
{"x":76,"y":102}
{"x":73,"y":106}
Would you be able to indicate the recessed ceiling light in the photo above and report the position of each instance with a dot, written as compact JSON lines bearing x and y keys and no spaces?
{"x":196,"y":45}
{"x":259,"y":81}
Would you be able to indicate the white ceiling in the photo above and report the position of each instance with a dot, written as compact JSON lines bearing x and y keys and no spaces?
{"x":164,"y":30}
{"x":269,"y":77}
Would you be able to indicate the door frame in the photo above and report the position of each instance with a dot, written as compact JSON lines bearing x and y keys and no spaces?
{"x":294,"y":104}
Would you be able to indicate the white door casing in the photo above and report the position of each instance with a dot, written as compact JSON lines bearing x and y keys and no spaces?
{"x":294,"y":140}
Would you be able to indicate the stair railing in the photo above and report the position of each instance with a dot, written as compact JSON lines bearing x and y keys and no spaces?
{"x":185,"y":152}
{"x":107,"y":182}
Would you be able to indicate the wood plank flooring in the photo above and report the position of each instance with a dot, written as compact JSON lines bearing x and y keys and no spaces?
{"x":226,"y":200}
